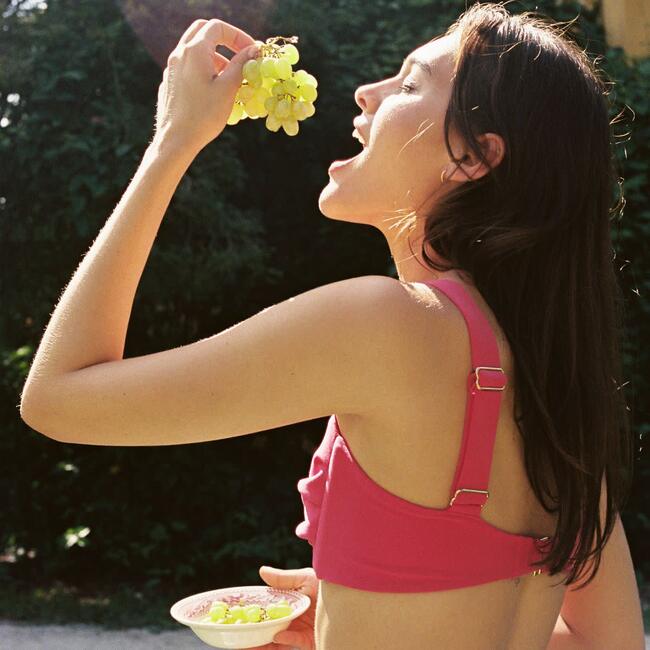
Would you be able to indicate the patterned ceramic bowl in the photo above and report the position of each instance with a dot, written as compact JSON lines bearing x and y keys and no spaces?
{"x":189,"y":611}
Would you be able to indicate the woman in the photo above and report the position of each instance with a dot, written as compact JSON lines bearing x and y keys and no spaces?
{"x":492,"y":146}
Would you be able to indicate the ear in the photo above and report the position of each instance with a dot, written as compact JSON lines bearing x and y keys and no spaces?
{"x":493,"y":148}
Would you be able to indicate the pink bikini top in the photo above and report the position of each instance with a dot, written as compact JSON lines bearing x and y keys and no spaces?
{"x":365,"y":537}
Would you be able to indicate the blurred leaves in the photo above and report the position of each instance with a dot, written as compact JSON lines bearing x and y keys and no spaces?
{"x":78,"y":89}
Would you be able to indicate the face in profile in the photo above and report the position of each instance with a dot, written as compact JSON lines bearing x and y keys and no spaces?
{"x":401,"y":123}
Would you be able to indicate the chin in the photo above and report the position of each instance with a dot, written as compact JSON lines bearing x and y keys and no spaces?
{"x":332,"y":204}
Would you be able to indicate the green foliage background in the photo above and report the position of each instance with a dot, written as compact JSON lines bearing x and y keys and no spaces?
{"x":242,"y":232}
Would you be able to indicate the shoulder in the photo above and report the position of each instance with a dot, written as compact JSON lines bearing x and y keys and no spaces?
{"x":397,"y":292}
{"x":363,"y":295}
{"x":383,"y":301}
{"x":372,"y":318}
{"x":389,"y":318}
{"x":378,"y":315}
{"x":392,"y":335}
{"x":376,"y":334}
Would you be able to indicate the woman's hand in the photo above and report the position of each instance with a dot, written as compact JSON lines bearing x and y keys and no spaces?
{"x":300,"y":633}
{"x":199,"y":85}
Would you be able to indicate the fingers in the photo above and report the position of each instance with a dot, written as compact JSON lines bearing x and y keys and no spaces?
{"x":187,"y":36}
{"x":220,"y":61}
{"x":191,"y":31}
{"x":280,"y":578}
{"x":291,"y":639}
{"x":218,"y":32}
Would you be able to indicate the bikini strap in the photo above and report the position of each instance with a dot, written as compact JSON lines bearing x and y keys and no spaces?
{"x":485,"y":382}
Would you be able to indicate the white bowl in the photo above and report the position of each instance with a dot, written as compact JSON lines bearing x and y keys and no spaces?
{"x":189,"y":610}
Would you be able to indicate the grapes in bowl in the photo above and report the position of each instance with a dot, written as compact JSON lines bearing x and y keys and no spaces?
{"x":240,"y":617}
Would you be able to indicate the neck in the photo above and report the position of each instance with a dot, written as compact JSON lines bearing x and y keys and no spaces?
{"x":410,"y":265}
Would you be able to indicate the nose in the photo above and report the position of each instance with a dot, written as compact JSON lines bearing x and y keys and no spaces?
{"x":364,"y":97}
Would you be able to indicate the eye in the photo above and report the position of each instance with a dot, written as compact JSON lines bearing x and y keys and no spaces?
{"x":407,"y":87}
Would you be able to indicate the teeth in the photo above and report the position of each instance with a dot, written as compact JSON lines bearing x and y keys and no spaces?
{"x":357,"y":135}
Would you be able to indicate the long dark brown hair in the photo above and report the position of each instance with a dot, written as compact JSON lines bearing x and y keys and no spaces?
{"x":534,"y":235}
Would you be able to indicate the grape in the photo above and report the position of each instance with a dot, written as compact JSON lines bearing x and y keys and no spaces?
{"x":291,"y":87}
{"x":261,"y":94}
{"x":290,"y":126}
{"x":301,"y":76}
{"x":245,"y":93}
{"x":241,"y":613}
{"x":283,"y":69}
{"x":270,"y":104}
{"x":308,"y":92}
{"x":238,"y":612}
{"x":273,"y":123}
{"x":310,"y":109}
{"x":279,"y":610}
{"x":217,"y":611}
{"x":268,"y":82}
{"x":283,"y":108}
{"x":290,"y":53}
{"x":277,"y":89}
{"x":216,"y":614}
{"x":267,"y":67}
{"x":260,"y":108}
{"x":236,"y":114}
{"x":299,"y":110}
{"x":253,"y":613}
{"x":251,"y":70}
{"x":271,"y":89}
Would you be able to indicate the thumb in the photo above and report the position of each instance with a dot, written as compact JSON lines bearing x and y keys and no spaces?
{"x":281,"y":578}
{"x":232,"y":74}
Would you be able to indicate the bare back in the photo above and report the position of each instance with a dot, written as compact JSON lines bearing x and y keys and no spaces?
{"x":409,"y":444}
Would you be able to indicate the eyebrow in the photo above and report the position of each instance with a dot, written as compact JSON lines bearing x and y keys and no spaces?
{"x":421,"y":64}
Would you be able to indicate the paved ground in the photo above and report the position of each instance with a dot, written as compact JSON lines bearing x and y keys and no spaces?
{"x":18,"y":636}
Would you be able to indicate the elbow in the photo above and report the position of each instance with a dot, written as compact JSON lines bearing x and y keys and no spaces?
{"x":31,"y":414}
{"x":27,"y":411}
{"x":27,"y":415}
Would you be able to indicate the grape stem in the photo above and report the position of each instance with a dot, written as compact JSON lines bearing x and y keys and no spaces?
{"x":270,"y":47}
{"x":286,"y":39}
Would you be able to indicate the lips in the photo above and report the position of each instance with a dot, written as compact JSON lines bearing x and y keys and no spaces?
{"x":357,"y":133}
{"x":359,"y":137}
{"x":361,"y":131}
{"x":341,"y":163}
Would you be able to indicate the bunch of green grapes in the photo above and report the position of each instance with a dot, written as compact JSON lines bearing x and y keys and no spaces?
{"x":239,"y":614}
{"x":271,"y":89}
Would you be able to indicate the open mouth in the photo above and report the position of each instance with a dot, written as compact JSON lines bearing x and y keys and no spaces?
{"x":340,"y":163}
{"x":359,"y":137}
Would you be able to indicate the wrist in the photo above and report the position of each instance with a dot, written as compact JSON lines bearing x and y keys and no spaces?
{"x":165,"y":142}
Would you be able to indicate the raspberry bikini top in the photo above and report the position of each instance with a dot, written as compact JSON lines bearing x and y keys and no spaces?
{"x":365,"y":537}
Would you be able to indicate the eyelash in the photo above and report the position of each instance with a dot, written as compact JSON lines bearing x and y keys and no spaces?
{"x":407,"y":88}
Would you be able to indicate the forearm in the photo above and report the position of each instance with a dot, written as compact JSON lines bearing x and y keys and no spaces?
{"x":89,"y":324}
{"x":564,"y":639}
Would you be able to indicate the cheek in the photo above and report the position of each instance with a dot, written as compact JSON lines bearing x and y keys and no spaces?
{"x":417,"y":150}
{"x":412,"y":130}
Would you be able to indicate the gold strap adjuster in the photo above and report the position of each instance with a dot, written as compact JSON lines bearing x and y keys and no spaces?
{"x":478,"y":385}
{"x":469,"y":490}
